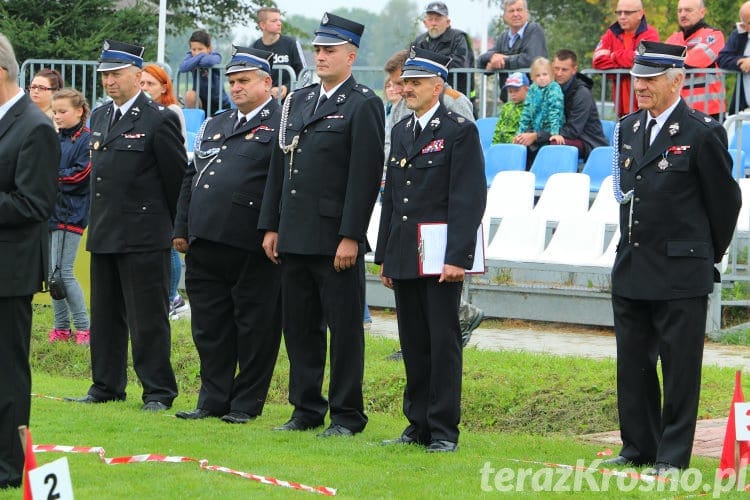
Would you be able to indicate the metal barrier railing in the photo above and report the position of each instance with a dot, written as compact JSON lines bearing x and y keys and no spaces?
{"x":80,"y":75}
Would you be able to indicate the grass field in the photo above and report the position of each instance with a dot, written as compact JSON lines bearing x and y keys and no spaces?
{"x":516,"y":406}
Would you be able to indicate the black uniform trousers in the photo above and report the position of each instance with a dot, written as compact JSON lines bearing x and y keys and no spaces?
{"x":673,"y":331}
{"x":129,"y":293}
{"x":235,"y":300}
{"x":315,"y":295}
{"x":15,"y":388}
{"x":430,"y":338}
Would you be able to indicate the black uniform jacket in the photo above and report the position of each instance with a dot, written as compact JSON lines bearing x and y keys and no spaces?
{"x":136,"y":173}
{"x":440,"y":178}
{"x":327,"y":189}
{"x":223,"y":188}
{"x":29,"y":156}
{"x":685,"y":206}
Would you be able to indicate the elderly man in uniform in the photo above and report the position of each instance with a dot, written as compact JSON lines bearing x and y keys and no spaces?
{"x":30,"y":153}
{"x":322,"y":185}
{"x":435,"y":173}
{"x":137,"y":164}
{"x":234,"y":289}
{"x":679,"y":208}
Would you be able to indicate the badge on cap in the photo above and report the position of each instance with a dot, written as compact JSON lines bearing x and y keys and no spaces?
{"x":325,"y":19}
{"x":105,"y":46}
{"x":412,"y":53}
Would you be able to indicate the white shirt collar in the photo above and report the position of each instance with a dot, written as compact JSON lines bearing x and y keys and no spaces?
{"x":662,"y":118}
{"x":252,"y":112}
{"x":9,"y":103}
{"x":126,"y":106}
{"x":332,"y":91}
{"x":424,"y":120}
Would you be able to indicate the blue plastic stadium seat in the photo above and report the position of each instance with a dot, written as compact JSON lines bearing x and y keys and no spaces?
{"x":193,"y":118}
{"x":554,"y":159}
{"x":608,"y":127}
{"x":598,"y":166}
{"x":500,"y":157}
{"x":486,"y":127}
{"x":738,"y":167}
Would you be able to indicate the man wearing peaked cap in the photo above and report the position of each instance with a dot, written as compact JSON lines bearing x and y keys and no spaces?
{"x":321,"y":189}
{"x":679,"y":205}
{"x":137,"y":163}
{"x":435,"y":173}
{"x":234,"y":289}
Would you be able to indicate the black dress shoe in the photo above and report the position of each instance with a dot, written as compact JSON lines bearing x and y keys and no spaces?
{"x":238,"y":417}
{"x":335,"y":430}
{"x":155,"y":406}
{"x":196,"y":414}
{"x":441,"y":446}
{"x":89,"y":399}
{"x":396,"y":356}
{"x":296,"y":424}
{"x":402,"y":439}
{"x":663,"y":469}
{"x":617,"y":461}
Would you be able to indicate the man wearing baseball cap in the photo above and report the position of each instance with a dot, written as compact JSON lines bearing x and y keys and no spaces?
{"x":137,"y":163}
{"x":443,"y":39}
{"x":679,"y":205}
{"x":321,"y":189}
{"x":234,"y":290}
{"x":435,"y":173}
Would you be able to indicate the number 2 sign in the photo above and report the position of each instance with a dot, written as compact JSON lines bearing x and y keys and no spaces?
{"x":51,"y":481}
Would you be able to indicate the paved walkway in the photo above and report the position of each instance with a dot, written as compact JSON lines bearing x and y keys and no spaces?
{"x":598,"y":344}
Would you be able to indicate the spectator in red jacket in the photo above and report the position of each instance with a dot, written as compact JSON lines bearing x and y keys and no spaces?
{"x":701,"y":91}
{"x":616,"y":49}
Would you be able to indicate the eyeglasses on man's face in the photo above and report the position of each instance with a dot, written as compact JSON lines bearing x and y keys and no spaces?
{"x":619,"y":13}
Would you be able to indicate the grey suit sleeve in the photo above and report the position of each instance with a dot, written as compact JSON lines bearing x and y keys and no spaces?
{"x":534,"y":45}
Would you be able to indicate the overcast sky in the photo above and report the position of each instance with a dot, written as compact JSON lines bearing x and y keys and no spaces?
{"x":465,"y":14}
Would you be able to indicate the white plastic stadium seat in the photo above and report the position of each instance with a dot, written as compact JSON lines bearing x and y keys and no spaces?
{"x":566,"y":194}
{"x":605,"y":208}
{"x":520,"y":237}
{"x":577,"y":240}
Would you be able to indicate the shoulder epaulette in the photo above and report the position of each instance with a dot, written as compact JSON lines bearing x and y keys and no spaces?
{"x":456,"y":117}
{"x":703,"y":118}
{"x":363,"y":89}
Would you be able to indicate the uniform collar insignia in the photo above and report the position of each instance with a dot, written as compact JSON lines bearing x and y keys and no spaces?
{"x":674,"y":128}
{"x":265,"y":113}
{"x":310,"y":96}
{"x":707,"y":119}
{"x":636,"y":126}
{"x":435,"y":123}
{"x":340,"y":98}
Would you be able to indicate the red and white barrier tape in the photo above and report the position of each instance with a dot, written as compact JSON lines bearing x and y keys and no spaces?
{"x":649,"y":478}
{"x":132,"y":459}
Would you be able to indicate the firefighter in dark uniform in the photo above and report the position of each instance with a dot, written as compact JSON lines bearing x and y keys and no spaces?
{"x":138,"y":161}
{"x":435,"y":173}
{"x":234,"y":289}
{"x":321,"y":188}
{"x":679,"y":208}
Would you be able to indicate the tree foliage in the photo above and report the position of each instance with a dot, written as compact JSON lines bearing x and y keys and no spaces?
{"x":72,"y":29}
{"x":216,"y":16}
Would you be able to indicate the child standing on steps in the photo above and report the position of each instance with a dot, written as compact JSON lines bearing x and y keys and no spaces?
{"x":70,"y":215}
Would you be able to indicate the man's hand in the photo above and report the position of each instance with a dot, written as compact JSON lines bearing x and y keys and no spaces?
{"x":270,"y":240}
{"x":525,"y":139}
{"x":557,"y":139}
{"x":452,"y":274}
{"x":180,"y":244}
{"x":497,"y":61}
{"x":346,"y":254}
{"x":387,"y":282}
{"x":744,"y":64}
